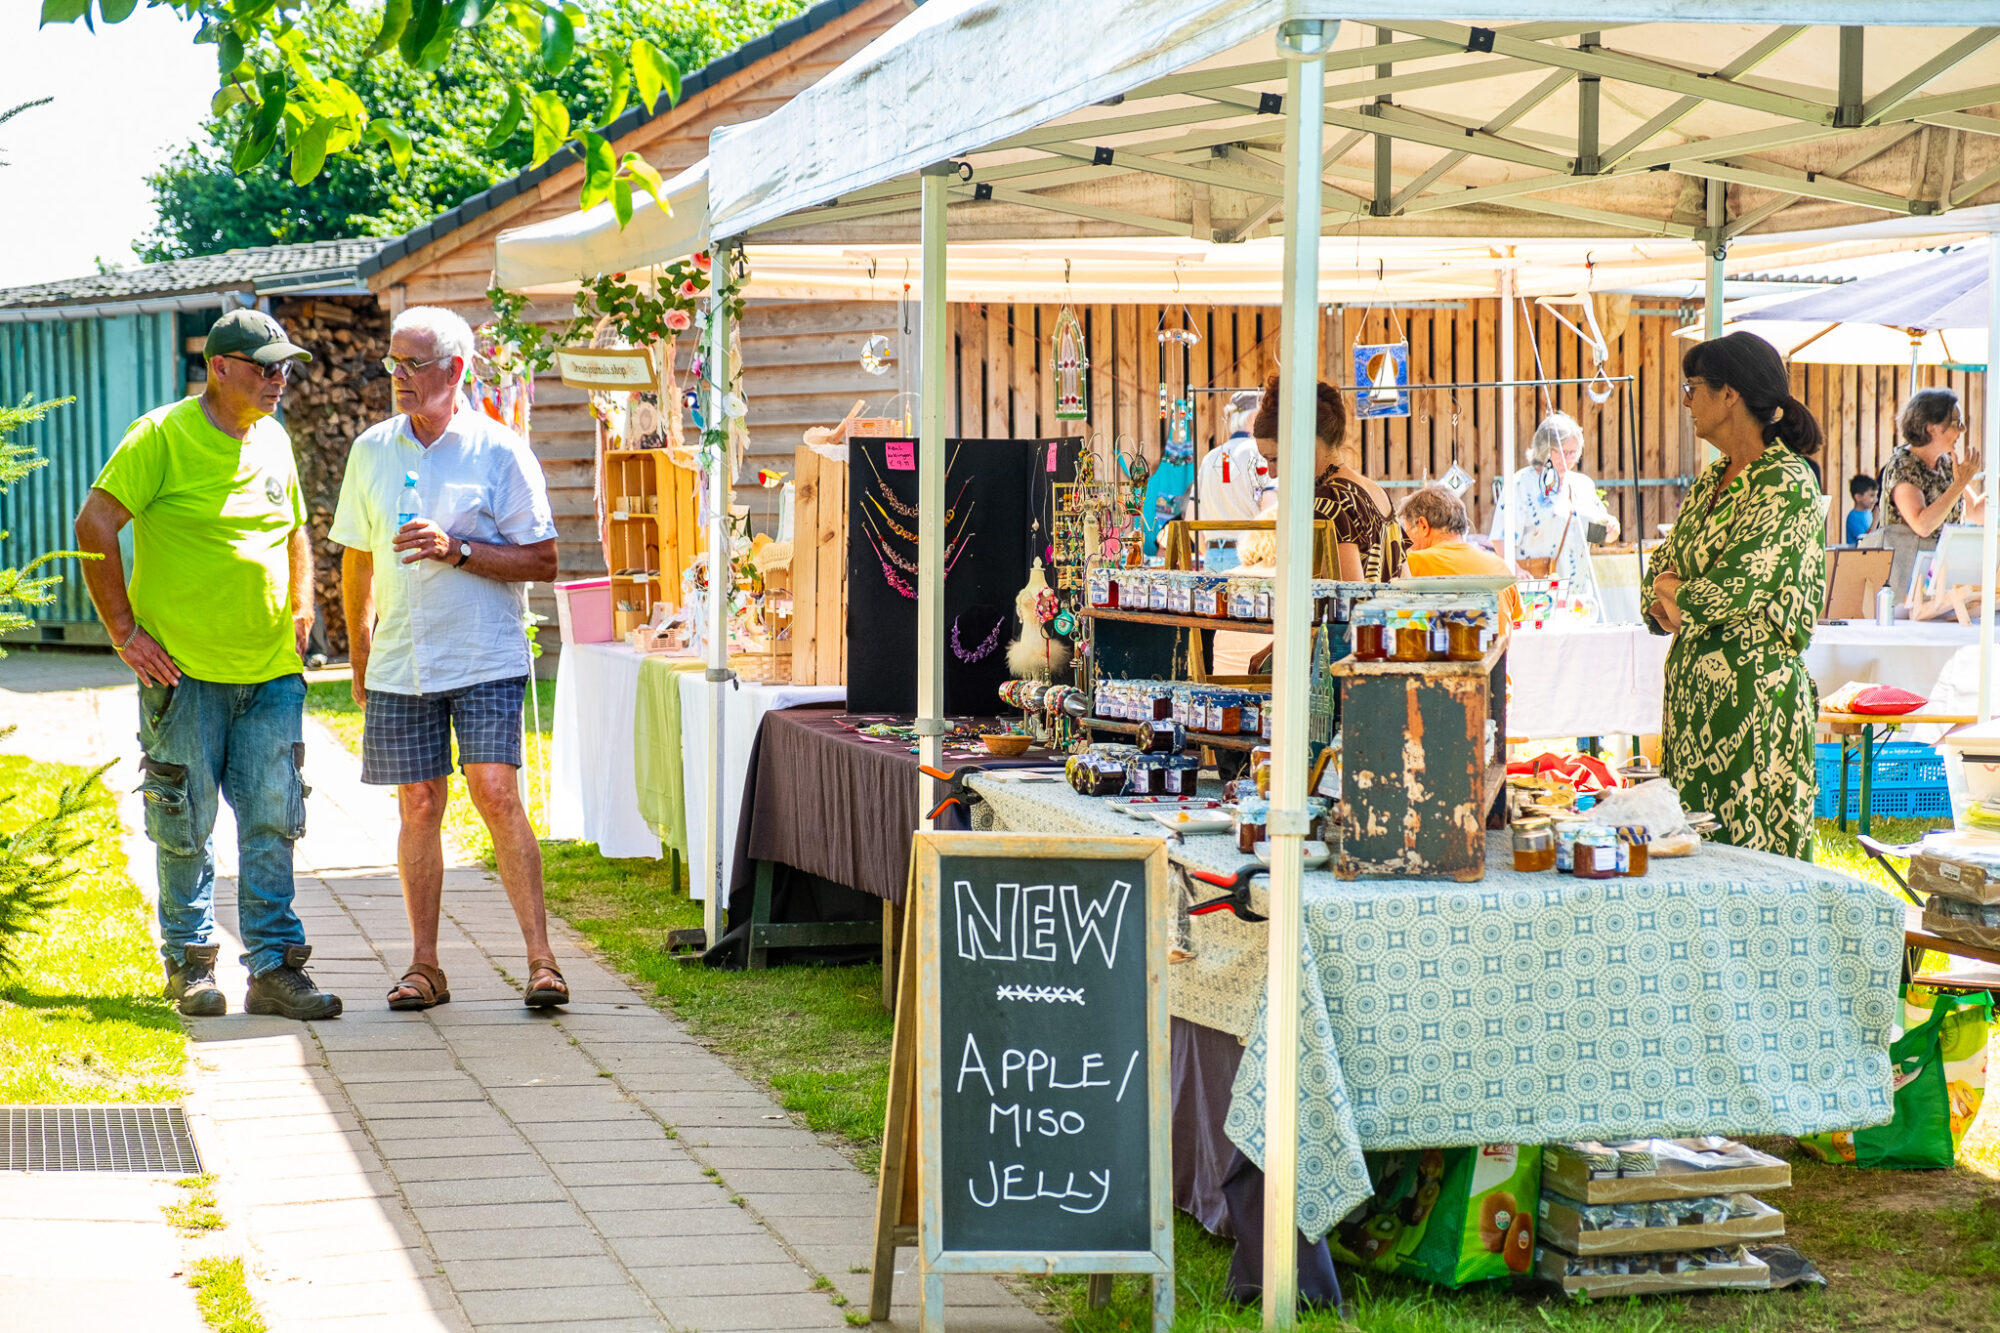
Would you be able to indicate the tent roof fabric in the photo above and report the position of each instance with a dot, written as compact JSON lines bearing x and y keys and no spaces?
{"x":1595,"y":119}
{"x":1942,"y":292}
{"x":771,"y":43}
{"x":577,"y":245}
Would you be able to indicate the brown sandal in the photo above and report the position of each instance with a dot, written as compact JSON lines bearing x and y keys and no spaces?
{"x":429,"y":984}
{"x":545,"y":996}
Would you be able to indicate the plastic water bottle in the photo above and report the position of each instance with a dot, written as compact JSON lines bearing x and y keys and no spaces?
{"x":1885,"y":607}
{"x":406,"y":511}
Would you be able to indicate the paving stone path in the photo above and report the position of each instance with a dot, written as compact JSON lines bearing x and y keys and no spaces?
{"x":481,"y":1167}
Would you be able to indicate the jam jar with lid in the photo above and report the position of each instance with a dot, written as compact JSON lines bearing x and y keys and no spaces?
{"x":1534,"y":845}
{"x":1252,"y":817}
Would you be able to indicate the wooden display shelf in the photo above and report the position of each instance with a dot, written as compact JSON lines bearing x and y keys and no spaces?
{"x":1177,"y":620}
{"x":1219,"y":740}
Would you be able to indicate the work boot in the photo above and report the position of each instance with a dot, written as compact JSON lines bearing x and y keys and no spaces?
{"x":191,"y":982}
{"x":287,"y":991}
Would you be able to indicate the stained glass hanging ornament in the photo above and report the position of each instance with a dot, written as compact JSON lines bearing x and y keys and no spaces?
{"x":875,"y":356}
{"x":1176,"y":402}
{"x":1071,"y":363}
{"x":1456,"y":478}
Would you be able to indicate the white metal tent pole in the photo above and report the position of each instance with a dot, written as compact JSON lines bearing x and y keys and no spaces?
{"x":1989,"y":551}
{"x":1509,"y":435}
{"x":930,"y":487}
{"x":720,"y":478}
{"x":1304,"y":43}
{"x":1711,"y":314}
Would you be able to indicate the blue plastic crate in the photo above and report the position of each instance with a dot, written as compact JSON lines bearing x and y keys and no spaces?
{"x":1908,"y":782}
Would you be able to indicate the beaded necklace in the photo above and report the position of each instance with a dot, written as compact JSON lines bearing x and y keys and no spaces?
{"x":895,"y":501}
{"x":991,"y":641}
{"x":905,"y":533}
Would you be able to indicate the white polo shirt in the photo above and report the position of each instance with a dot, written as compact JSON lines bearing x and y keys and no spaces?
{"x":438,"y":628}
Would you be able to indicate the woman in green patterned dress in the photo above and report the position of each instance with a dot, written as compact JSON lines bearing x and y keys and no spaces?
{"x":1739,"y":583}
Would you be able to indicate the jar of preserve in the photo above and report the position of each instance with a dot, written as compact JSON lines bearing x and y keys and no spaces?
{"x":1146,"y":775}
{"x":1599,"y":854}
{"x":1410,"y":635}
{"x":1252,"y":816}
{"x":1635,"y":837}
{"x":1253,"y":710}
{"x":1159,"y":591}
{"x":1262,"y":593}
{"x":1181,"y":772}
{"x":1370,"y":626}
{"x":1534,"y":845}
{"x":1260,"y":769}
{"x":1210,"y":597}
{"x":1111,"y":585}
{"x":1566,"y":831}
{"x":1180,"y":594}
{"x":1462,"y":635}
{"x":1242,"y":600}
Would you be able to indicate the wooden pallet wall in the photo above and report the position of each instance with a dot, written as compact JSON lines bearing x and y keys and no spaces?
{"x":819,"y":570}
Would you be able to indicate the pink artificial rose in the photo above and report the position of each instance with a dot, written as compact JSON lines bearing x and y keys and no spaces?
{"x":702,"y":261}
{"x":688,"y":290}
{"x":678,"y":320}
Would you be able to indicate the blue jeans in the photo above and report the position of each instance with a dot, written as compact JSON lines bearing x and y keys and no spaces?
{"x":202,"y":741}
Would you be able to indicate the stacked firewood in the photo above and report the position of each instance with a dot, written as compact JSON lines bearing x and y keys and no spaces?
{"x":333,"y":398}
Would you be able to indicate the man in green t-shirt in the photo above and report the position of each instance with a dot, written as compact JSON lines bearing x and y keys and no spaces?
{"x":214,"y":624}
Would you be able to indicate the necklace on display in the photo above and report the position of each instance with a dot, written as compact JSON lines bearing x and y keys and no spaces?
{"x":905,"y":533}
{"x":895,"y":580}
{"x":895,"y":501}
{"x":986,"y":646}
{"x":909,"y":566}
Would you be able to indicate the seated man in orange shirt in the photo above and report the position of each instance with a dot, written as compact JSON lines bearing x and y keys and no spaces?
{"x":1434,"y":526}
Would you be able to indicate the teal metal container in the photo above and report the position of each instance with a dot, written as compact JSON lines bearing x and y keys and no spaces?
{"x":117,"y":369}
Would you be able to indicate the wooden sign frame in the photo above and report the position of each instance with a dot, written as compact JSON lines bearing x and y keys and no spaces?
{"x":612,"y":369}
{"x":909,"y":1208}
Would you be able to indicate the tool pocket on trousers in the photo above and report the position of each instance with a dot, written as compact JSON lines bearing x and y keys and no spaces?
{"x":295,"y":805}
{"x":169,"y":816}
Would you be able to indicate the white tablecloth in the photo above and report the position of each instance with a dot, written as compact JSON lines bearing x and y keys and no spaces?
{"x":1608,"y":680}
{"x":593,"y":794}
{"x":1909,"y":654}
{"x":1592,"y":680}
{"x":744,"y":707}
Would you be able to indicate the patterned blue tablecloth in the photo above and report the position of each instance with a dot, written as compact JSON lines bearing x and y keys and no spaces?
{"x":1731,"y":992}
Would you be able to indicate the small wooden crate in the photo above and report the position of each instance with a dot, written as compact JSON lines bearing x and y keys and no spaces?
{"x":1415,"y":779}
{"x":819,"y":570}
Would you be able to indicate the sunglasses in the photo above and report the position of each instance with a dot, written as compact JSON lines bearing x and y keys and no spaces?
{"x":401,"y":367}
{"x":281,"y":370}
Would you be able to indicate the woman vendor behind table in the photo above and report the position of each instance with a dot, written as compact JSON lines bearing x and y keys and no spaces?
{"x":1738,"y":583}
{"x":1554,"y":508}
{"x":1368,"y":542}
{"x":1925,"y":486}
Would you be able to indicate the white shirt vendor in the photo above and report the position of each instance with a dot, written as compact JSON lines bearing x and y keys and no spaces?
{"x":1233,"y":479}
{"x":439,"y":628}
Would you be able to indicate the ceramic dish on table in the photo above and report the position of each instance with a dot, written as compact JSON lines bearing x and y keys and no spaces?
{"x":1196,"y":821}
{"x":1145,"y":807}
{"x":1317,"y":854}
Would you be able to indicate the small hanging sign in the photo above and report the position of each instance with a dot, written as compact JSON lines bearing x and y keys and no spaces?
{"x":1382,"y":374}
{"x":607,"y":367}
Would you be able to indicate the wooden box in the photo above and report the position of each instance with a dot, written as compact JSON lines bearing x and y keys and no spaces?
{"x":1419,"y":766}
{"x":1954,"y":879}
{"x":1566,"y":1174}
{"x":819,"y":570}
{"x":1745,"y":1270}
{"x":1562,"y":1226}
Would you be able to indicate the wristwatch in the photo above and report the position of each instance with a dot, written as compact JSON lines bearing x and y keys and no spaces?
{"x":464,"y":554}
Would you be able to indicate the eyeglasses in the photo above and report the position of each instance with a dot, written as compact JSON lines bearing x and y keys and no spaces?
{"x":281,"y":370}
{"x":401,"y":367}
{"x":1687,"y":390}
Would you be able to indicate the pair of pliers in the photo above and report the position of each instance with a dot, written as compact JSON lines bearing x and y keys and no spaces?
{"x":1237,"y":900}
{"x":958,"y":793}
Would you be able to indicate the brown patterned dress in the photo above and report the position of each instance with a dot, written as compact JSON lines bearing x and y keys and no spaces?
{"x":1377,"y":535}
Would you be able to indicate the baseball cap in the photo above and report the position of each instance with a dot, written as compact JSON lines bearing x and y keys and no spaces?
{"x":254,"y":334}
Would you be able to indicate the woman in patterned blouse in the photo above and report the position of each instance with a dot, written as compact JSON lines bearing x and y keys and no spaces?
{"x":1368,"y":542}
{"x":1925,"y":486}
{"x":1738,"y":583}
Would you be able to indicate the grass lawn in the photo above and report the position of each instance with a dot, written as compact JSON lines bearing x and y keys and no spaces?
{"x":1905,"y":1251}
{"x":83,"y":1019}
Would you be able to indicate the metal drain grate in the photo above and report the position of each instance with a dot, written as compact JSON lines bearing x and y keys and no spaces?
{"x":150,"y":1139}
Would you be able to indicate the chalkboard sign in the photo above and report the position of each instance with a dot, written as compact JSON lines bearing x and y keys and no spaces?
{"x":1042,"y":1075}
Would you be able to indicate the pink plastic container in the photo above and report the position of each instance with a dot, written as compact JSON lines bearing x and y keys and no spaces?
{"x":583,"y":610}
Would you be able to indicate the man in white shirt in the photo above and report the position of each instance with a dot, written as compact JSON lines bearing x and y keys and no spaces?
{"x":1234,"y":482}
{"x":435,"y":620}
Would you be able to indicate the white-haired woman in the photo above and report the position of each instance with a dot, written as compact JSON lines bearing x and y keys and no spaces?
{"x":1554,"y":507}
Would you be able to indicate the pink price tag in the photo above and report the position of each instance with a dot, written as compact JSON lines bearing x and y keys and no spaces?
{"x":1052,"y":455}
{"x":901,"y":455}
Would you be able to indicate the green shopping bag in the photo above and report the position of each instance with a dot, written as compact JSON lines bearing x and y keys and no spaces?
{"x":1938,"y":1069}
{"x":1446,"y":1215}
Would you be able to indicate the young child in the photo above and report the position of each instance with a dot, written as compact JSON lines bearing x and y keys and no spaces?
{"x":1863,"y":490}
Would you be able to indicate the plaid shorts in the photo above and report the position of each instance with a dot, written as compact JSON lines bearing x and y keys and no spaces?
{"x":407,"y":737}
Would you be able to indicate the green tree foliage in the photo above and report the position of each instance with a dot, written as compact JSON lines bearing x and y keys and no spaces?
{"x":402,"y":108}
{"x":25,"y":586}
{"x":39,"y":857}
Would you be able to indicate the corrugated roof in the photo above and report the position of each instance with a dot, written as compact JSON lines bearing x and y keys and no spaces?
{"x":752,"y":51}
{"x":234,"y":270}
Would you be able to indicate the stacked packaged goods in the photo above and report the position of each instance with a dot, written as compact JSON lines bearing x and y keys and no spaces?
{"x":1623,"y":1219}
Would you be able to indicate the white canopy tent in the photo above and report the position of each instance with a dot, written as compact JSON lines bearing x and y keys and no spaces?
{"x":1696,"y":123}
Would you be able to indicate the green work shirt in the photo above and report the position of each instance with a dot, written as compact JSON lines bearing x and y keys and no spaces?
{"x":211,"y":520}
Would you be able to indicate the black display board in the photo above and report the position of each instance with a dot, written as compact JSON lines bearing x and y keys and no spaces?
{"x":1000,"y":490}
{"x":1032,"y":1052}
